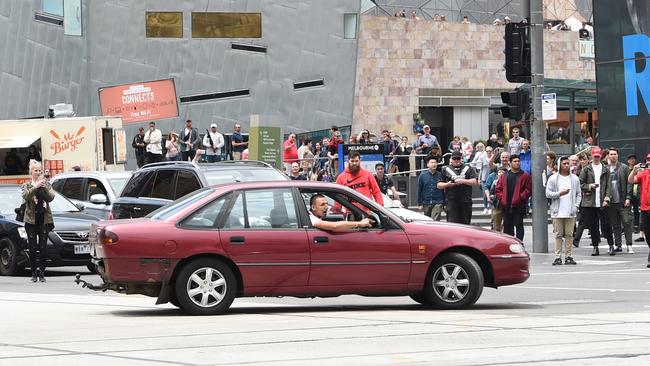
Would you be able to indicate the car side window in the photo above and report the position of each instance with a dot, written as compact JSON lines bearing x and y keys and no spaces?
{"x":72,"y":189}
{"x":58,"y":185}
{"x":271,"y":209}
{"x":206,"y":216}
{"x":235,"y":218}
{"x":95,"y":187}
{"x":163,"y":186}
{"x":186,"y":183}
{"x":139,"y":185}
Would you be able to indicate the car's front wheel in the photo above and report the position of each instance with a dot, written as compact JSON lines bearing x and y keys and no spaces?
{"x":205,"y":287}
{"x":454,"y":282}
{"x":8,"y":257}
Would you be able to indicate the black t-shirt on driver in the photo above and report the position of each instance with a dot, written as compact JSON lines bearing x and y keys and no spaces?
{"x":460,"y":193}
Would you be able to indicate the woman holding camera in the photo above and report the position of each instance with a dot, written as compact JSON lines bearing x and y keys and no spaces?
{"x":37,"y":194}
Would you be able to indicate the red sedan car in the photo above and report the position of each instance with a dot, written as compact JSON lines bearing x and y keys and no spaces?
{"x":257,"y":239}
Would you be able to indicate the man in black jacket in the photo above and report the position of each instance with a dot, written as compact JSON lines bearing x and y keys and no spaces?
{"x":189,"y":139}
{"x":140,"y":147}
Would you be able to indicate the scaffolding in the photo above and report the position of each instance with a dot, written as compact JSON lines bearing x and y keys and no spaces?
{"x":478,"y":11}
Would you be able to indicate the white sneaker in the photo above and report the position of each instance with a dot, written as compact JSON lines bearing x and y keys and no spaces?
{"x":485,"y":211}
{"x":630,"y":250}
{"x":489,"y":211}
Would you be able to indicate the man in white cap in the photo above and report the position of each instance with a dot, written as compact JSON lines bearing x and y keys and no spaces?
{"x":213,"y":142}
{"x":506,"y":20}
{"x":424,"y":144}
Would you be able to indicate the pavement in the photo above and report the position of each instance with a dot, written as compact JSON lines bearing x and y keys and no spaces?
{"x":594,"y":313}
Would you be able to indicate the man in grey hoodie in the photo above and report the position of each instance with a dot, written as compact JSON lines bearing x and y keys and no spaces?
{"x":563,"y":189}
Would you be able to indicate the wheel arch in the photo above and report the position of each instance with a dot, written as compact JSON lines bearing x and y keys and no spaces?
{"x":226,"y":260}
{"x":480,"y":258}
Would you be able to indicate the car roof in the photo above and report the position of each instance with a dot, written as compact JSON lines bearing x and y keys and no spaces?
{"x":281,"y":184}
{"x":222,"y":165}
{"x":84,"y":174}
{"x":10,"y":186}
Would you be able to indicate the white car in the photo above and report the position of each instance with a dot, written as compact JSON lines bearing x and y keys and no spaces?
{"x":398,"y":209}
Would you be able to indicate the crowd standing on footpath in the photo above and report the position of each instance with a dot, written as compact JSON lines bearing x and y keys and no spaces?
{"x":592,"y":190}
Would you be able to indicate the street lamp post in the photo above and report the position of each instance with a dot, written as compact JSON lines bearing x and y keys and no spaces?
{"x":538,"y":127}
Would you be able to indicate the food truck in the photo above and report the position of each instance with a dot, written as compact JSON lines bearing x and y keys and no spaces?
{"x":91,"y":143}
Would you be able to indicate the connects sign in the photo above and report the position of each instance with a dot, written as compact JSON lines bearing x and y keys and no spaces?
{"x":138,"y":94}
{"x":144,"y":101}
{"x":68,"y":141}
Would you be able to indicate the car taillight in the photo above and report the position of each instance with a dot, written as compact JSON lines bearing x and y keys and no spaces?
{"x":107,"y":237}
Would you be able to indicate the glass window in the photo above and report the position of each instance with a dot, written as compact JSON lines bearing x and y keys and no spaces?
{"x":187,"y":183}
{"x":164,"y":24}
{"x":139,"y":183}
{"x":163,"y":186}
{"x":206,"y":216}
{"x":350,"y":26}
{"x":54,"y":7}
{"x":58,"y":185}
{"x":95,"y":187}
{"x":236,"y":219}
{"x":180,"y":204}
{"x":117,"y":184}
{"x":72,"y":189}
{"x":226,"y":25}
{"x":245,"y":175}
{"x":272,"y":208}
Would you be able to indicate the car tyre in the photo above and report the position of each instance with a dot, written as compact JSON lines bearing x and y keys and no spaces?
{"x":455,"y":281}
{"x":205,"y":286}
{"x":91,"y":267}
{"x":8,"y":258}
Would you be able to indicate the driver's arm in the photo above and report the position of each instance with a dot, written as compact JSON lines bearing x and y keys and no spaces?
{"x":342,"y":226}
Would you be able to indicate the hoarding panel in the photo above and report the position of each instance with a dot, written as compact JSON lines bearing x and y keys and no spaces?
{"x":146,"y":101}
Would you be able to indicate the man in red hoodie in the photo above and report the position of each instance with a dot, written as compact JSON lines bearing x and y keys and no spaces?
{"x":360,"y":179}
{"x":513,"y":191}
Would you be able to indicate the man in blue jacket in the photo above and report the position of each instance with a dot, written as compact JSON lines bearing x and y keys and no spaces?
{"x":525,"y":157}
{"x":430,"y":197}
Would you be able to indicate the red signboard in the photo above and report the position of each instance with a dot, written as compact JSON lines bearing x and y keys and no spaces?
{"x":146,"y":101}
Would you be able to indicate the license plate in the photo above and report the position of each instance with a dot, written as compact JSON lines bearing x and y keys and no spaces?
{"x":82,"y":249}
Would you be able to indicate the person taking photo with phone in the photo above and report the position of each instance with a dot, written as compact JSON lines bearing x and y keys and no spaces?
{"x":37,"y":195}
{"x":563,"y":189}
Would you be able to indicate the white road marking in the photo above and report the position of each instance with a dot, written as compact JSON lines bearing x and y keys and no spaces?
{"x":580,"y":289}
{"x":562,"y":302}
{"x":611,"y":271}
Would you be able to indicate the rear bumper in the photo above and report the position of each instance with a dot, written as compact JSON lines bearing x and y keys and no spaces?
{"x":510,"y":269}
{"x":133,"y":270}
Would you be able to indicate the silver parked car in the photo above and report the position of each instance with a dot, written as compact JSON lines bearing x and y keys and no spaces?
{"x":96,"y":190}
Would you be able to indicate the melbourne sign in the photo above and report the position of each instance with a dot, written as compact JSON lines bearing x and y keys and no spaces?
{"x":146,"y":101}
{"x":622,"y":36}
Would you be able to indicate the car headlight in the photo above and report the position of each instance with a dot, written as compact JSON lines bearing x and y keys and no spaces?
{"x":517,"y":248}
{"x":22,"y":233}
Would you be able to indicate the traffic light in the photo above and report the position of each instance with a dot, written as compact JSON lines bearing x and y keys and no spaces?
{"x":517,"y":53}
{"x":516,"y":104}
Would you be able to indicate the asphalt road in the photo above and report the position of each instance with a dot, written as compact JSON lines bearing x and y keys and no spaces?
{"x":597,"y":312}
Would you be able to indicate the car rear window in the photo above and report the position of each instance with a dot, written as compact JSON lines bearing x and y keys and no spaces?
{"x":139,"y":185}
{"x":180,"y":204}
{"x":245,"y":175}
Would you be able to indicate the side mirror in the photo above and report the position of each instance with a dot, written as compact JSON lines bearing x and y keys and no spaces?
{"x":80,"y":206}
{"x":99,"y":199}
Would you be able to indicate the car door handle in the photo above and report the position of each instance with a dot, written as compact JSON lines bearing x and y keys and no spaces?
{"x":237,"y":239}
{"x":321,"y":240}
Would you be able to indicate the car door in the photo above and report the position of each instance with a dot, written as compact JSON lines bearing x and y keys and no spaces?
{"x":262,"y":235}
{"x":99,"y":210}
{"x":377,"y":256}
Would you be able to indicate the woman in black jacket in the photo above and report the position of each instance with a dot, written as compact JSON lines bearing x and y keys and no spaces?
{"x":404,"y":148}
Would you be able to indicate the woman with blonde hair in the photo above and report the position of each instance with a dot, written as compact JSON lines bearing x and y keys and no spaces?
{"x":172,"y":147}
{"x":37,"y":195}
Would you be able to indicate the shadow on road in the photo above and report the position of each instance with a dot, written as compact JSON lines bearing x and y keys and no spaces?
{"x":269,"y":310}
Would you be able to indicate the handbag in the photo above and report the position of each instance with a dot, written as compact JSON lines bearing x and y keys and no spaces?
{"x":20,"y":212}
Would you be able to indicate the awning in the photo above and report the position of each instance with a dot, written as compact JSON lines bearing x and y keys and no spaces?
{"x":17,"y":141}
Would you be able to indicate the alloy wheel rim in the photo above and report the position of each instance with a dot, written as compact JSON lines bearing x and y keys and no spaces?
{"x":451,"y":283}
{"x":206,"y":287}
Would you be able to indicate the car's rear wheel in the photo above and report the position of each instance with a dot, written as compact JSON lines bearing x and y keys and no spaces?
{"x":8,"y":258}
{"x":205,"y":287}
{"x":455,"y":281}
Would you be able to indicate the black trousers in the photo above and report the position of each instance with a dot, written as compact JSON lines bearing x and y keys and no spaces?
{"x":188,"y":155}
{"x":140,"y":160}
{"x":645,"y":226}
{"x":37,"y":239}
{"x":594,"y":217}
{"x":153,"y":158}
{"x":459,"y":212}
{"x":514,"y":218}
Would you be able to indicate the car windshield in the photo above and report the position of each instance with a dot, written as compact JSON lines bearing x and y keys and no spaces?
{"x":117,"y":184}
{"x":389,"y":203}
{"x":215,"y":177}
{"x":172,"y":208}
{"x":12,"y":198}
